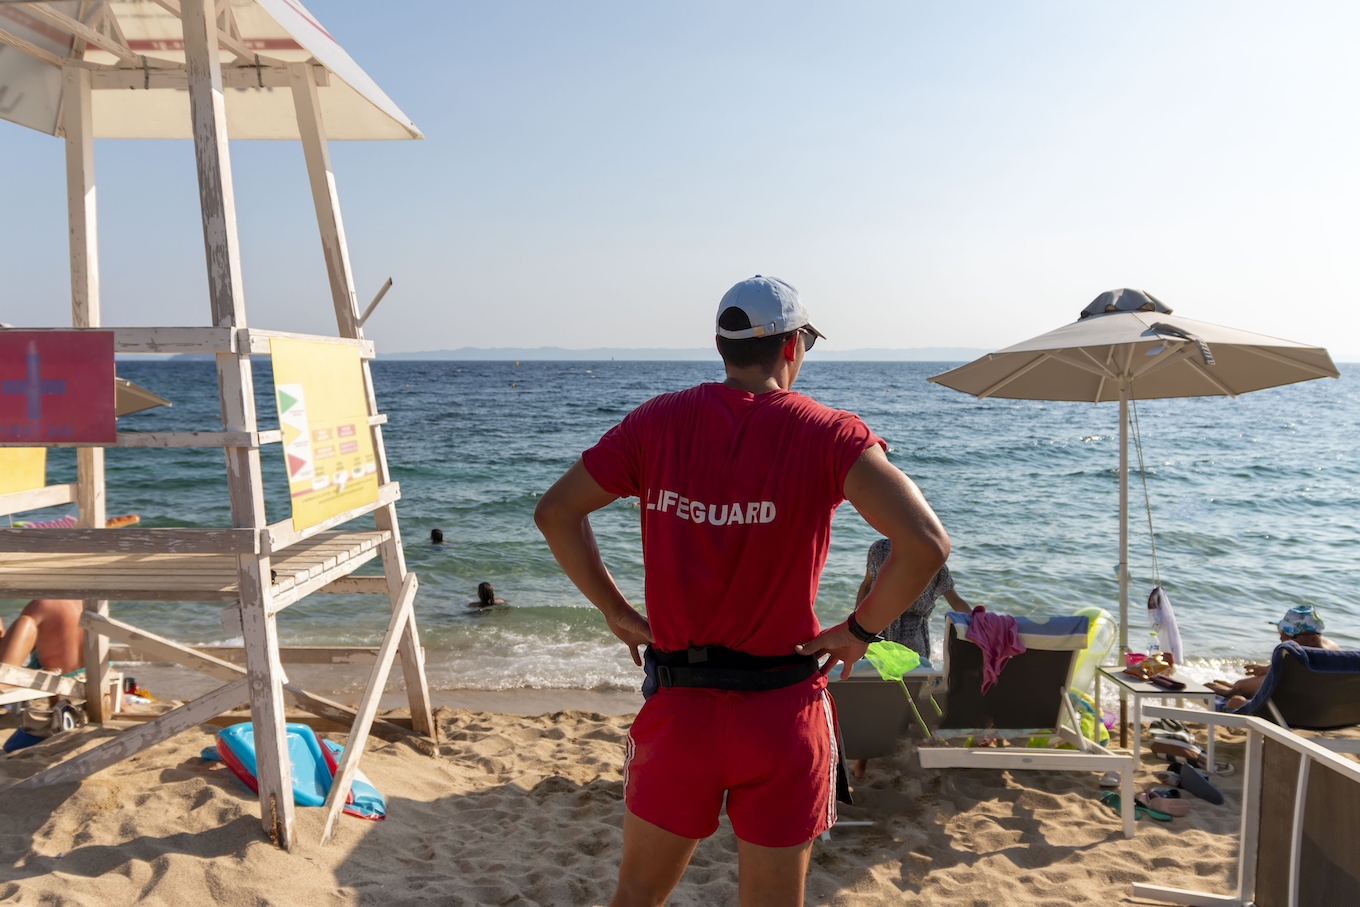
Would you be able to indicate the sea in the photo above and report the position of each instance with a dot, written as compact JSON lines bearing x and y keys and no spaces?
{"x":1253,"y":502}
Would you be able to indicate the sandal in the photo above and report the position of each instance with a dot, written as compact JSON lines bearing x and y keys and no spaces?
{"x":1172,"y":778}
{"x":1168,"y":724}
{"x":1172,"y":806}
{"x":1198,"y":784}
{"x":1111,"y":799}
{"x":1186,"y":754}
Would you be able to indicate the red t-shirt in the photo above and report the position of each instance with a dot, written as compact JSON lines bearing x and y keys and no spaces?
{"x":739,"y":490}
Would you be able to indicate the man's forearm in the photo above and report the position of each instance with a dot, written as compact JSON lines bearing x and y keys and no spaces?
{"x":573,"y":544}
{"x":901,"y":580}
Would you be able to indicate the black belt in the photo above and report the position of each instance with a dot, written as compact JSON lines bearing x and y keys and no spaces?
{"x":715,"y":667}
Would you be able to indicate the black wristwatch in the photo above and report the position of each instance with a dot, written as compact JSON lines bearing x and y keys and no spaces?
{"x":859,"y":632}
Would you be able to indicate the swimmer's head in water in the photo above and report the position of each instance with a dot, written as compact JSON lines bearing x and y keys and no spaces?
{"x":437,"y":536}
{"x":485,"y":594}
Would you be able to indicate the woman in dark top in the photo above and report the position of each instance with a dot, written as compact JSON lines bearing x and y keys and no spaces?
{"x":912,"y":629}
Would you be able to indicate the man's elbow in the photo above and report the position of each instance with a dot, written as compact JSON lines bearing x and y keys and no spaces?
{"x":936,"y":547}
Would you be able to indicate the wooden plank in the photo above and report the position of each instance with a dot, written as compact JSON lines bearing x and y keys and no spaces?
{"x":164,"y":339}
{"x":297,"y":655}
{"x":1181,"y":896}
{"x":176,"y":78}
{"x":245,"y":486}
{"x":300,"y":590}
{"x":270,"y":437}
{"x":164,"y":650}
{"x":356,"y":585}
{"x":237,"y":716}
{"x":45,"y":682}
{"x":282,"y":535}
{"x":188,"y":439}
{"x":133,"y":741}
{"x":380,"y":419}
{"x":31,"y":49}
{"x":257,"y":341}
{"x":81,"y":30}
{"x":35,"y":498}
{"x":82,"y":220}
{"x":368,"y":707}
{"x":312,"y":131}
{"x":170,"y":439}
{"x":130,"y":541}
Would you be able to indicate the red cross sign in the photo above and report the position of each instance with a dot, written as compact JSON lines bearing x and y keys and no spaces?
{"x":56,"y":386}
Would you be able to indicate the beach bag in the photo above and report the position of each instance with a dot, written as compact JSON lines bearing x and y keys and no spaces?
{"x":1092,"y":726}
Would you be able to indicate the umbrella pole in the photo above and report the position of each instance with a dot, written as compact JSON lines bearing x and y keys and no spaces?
{"x":1124,"y":551}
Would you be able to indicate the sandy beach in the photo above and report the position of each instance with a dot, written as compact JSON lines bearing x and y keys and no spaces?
{"x":525,"y":808}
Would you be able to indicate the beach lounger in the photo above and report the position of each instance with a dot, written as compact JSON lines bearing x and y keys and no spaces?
{"x":1312,"y":689}
{"x":1028,"y":700}
{"x":873,"y":713}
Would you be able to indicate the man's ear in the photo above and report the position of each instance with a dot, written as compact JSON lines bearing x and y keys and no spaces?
{"x":791,"y":347}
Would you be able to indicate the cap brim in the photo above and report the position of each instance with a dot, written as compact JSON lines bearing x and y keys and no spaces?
{"x":816,"y":332}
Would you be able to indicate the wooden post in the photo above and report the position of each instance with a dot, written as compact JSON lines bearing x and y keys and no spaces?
{"x":312,"y":130}
{"x":80,"y":214}
{"x":236,"y":389}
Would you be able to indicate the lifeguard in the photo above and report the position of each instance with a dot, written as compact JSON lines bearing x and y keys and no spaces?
{"x":740,"y":480}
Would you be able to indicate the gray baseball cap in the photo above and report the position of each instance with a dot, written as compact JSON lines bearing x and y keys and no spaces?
{"x":771,"y":307}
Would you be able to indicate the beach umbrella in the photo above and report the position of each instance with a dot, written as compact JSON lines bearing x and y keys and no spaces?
{"x":1126,"y":345}
{"x":129,"y":398}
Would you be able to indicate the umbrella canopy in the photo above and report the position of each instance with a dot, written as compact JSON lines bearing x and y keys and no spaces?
{"x":1139,"y":343}
{"x":1126,"y":345}
{"x":129,"y":398}
{"x":135,"y":51}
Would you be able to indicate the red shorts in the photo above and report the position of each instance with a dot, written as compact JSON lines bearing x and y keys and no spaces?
{"x":772,"y":752}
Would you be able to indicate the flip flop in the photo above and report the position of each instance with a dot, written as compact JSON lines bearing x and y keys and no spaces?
{"x":1168,"y":724}
{"x":1172,"y":806}
{"x":1177,"y":752}
{"x":1198,"y":784}
{"x":1111,"y":799}
{"x":1172,"y":778}
{"x":1109,"y":779}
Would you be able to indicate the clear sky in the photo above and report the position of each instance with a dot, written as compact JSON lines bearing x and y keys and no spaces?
{"x":928,"y":174}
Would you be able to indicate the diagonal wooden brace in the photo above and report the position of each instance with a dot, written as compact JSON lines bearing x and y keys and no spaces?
{"x":174,"y":653}
{"x":44,"y":682}
{"x":368,"y":706}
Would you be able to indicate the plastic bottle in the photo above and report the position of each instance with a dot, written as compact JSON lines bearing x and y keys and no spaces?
{"x":1153,"y":647}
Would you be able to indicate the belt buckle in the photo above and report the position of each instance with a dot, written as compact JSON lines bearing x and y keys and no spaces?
{"x":663,"y":677}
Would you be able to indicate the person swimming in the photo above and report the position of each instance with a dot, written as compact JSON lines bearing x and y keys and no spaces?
{"x":436,"y":536}
{"x":486,"y":597}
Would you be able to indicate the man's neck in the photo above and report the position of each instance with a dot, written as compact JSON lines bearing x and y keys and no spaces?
{"x":756,"y":380}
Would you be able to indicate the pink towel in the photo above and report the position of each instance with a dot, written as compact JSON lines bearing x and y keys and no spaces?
{"x":999,"y":639}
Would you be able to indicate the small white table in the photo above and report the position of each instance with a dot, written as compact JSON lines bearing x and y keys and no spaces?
{"x":1142,"y":689}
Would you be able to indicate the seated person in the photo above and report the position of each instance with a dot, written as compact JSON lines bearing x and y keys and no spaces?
{"x":912,"y":628}
{"x":486,"y":597}
{"x":47,"y":635}
{"x":1300,"y":623}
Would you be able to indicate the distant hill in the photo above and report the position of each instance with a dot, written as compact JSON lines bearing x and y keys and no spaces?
{"x":599,"y":354}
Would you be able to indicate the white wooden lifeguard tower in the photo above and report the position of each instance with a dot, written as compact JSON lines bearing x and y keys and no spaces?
{"x":253,"y":69}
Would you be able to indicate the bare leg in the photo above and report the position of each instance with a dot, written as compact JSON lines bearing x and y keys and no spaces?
{"x":771,"y":876}
{"x":653,"y":861}
{"x":858,"y":768}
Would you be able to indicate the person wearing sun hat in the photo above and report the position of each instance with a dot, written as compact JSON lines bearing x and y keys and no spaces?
{"x":1302,"y":624}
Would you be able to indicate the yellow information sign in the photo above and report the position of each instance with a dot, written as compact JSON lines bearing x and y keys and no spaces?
{"x":327,"y":444}
{"x":22,"y":468}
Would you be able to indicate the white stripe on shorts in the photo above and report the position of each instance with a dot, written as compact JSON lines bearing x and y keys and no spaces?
{"x":627,"y":761}
{"x":835,"y":761}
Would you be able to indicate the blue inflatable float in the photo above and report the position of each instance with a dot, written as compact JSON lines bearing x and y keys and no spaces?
{"x":315,"y":762}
